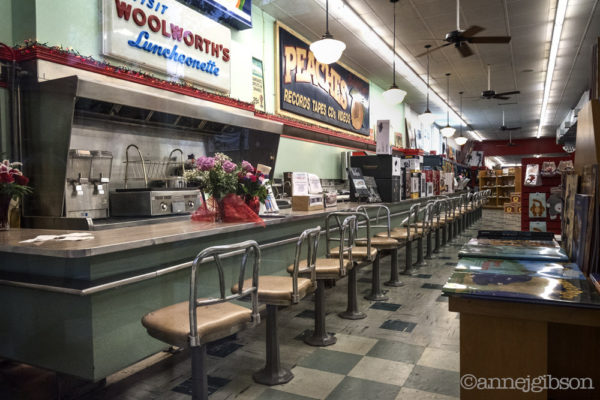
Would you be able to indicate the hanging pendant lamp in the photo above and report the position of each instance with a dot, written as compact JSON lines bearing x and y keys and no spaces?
{"x":327,"y":50}
{"x":448,"y":131}
{"x":460,"y":140}
{"x":394,"y":94}
{"x":427,"y":117}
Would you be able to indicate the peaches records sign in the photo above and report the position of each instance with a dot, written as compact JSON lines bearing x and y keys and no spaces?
{"x":327,"y":93}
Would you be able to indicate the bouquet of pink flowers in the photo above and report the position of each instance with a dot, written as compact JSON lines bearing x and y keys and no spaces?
{"x":217,"y":175}
{"x":13,"y":184}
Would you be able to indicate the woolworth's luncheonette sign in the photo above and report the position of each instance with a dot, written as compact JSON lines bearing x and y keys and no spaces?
{"x":168,"y":37}
{"x":327,"y":93}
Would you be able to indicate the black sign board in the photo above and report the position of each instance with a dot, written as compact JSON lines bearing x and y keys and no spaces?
{"x":328,"y":93}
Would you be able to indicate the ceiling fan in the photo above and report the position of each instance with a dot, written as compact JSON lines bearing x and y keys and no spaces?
{"x":510,"y":142}
{"x":461,"y":39}
{"x":504,"y":128}
{"x":491,"y":94}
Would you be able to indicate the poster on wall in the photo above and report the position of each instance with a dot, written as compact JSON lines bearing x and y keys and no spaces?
{"x":326,"y":93}
{"x":170,"y":38}
{"x":258,"y":85}
{"x":475,"y":159}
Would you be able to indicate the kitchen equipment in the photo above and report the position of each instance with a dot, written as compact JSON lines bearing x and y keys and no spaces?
{"x":151,"y":202}
{"x":154,"y":171}
{"x":86,"y":184}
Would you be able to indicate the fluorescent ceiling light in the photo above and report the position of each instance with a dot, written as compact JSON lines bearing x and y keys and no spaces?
{"x":559,"y":19}
{"x":349,"y":18}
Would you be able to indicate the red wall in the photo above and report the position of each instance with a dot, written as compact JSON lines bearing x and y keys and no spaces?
{"x":523,"y":146}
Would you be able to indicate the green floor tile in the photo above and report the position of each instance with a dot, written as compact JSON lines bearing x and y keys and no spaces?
{"x":396,"y":351}
{"x":434,"y":380}
{"x":330,"y":361}
{"x":360,"y":389}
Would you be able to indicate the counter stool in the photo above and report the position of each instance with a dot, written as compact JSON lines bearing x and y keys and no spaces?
{"x":405,"y":235}
{"x":361,"y":257}
{"x":446,"y":220}
{"x":384,"y":245}
{"x":437,"y":224}
{"x":325,"y":269}
{"x":428,"y":225}
{"x":196,"y":322}
{"x":424,"y":226}
{"x":276,"y":291}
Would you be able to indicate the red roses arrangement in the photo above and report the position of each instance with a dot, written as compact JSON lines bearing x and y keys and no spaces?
{"x":13,"y":183}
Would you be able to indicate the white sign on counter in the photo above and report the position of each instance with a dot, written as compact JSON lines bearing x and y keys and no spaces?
{"x":168,"y":37}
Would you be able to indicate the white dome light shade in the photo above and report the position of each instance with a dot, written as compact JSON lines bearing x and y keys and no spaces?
{"x":461,"y":140}
{"x":394,"y":95}
{"x":427,"y":118}
{"x":327,"y":50}
{"x":447,"y":131}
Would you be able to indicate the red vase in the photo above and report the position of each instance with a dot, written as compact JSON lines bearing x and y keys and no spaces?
{"x":254,"y":203}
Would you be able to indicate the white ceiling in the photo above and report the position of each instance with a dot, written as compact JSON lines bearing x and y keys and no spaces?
{"x":519,"y":65}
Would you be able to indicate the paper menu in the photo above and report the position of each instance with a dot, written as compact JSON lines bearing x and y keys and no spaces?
{"x":299,"y":184}
{"x":314,"y":184}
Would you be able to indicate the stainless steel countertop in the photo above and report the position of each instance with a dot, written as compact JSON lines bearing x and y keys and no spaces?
{"x":128,"y":238}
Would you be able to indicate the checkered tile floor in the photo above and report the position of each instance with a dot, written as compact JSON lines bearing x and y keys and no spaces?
{"x":406,"y":348}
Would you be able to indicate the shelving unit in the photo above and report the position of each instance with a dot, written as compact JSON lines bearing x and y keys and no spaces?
{"x":547,"y":184}
{"x":501,"y":185}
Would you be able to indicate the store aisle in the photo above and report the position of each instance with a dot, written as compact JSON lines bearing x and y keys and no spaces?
{"x":406,"y":348}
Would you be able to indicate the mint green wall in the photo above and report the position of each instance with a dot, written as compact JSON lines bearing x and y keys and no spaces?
{"x":68,"y":24}
{"x":6,"y":22}
{"x":298,"y":155}
{"x":381,"y":110}
{"x":23,"y":20}
{"x":263,"y":38}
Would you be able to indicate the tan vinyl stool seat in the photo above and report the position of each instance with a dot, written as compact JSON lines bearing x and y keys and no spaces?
{"x":358,"y":253}
{"x":278,"y":290}
{"x":172,"y":324}
{"x":379,"y":242}
{"x":449,"y":219}
{"x":434,"y":224}
{"x":325,"y":268}
{"x":401,"y":234}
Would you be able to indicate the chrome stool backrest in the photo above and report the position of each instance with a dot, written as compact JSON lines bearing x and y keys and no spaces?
{"x":347,"y":233}
{"x":380,"y":209}
{"x":311,"y":238}
{"x":215,"y":252}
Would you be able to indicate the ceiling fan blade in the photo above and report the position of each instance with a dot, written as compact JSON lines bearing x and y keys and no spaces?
{"x":464,"y":50}
{"x":508,"y":93}
{"x":489,"y":39}
{"x":499,"y":97}
{"x":516,"y":128}
{"x":472,"y":30}
{"x":430,"y":50}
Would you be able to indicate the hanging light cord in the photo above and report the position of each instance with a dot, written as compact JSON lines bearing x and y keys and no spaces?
{"x":461,"y":124}
{"x":394,"y":50}
{"x":448,"y":102}
{"x":428,"y":46}
{"x":327,"y":34}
